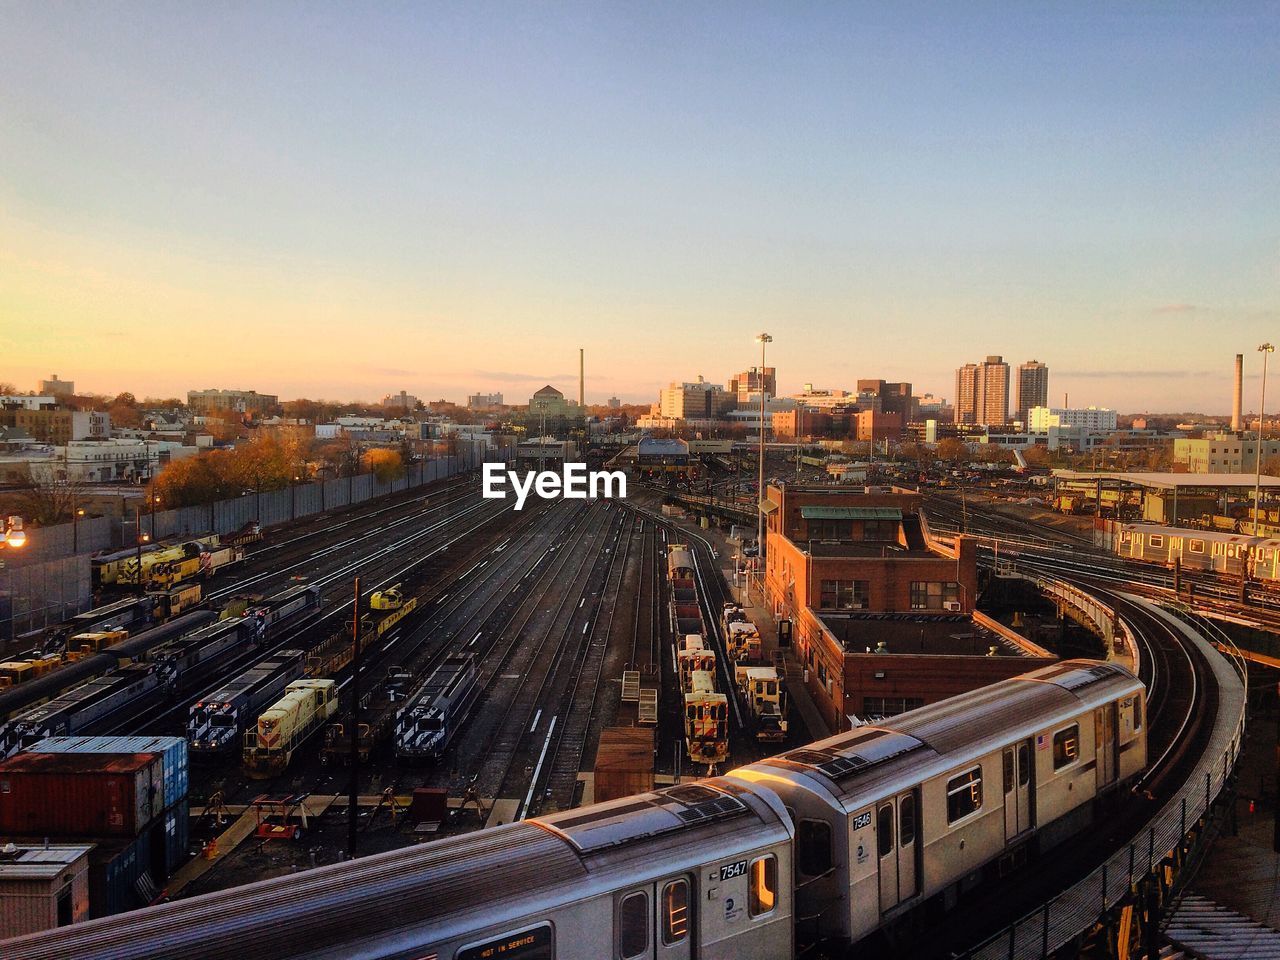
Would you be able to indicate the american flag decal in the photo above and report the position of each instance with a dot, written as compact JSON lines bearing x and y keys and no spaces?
{"x":1042,"y":741}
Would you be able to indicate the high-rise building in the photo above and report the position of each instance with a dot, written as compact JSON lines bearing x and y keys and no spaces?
{"x":484,"y":401}
{"x":698,"y":401}
{"x":401,"y":401}
{"x":203,"y":402}
{"x":1094,"y":419}
{"x":747,"y":385}
{"x":57,"y":388}
{"x":1032,"y":388}
{"x":893,"y":398}
{"x":982,"y":392}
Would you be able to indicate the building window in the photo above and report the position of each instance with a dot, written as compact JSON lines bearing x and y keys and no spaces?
{"x":889,"y":706}
{"x":845,"y":594}
{"x":763,"y":895}
{"x":880,"y":530}
{"x":933,"y":594}
{"x":964,"y":794}
{"x":1066,"y":746}
{"x":830,"y":529}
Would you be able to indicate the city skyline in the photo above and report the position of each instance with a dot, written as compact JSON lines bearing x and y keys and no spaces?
{"x":353,"y":209}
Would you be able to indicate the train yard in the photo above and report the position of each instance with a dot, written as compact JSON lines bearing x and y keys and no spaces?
{"x":497,"y":646}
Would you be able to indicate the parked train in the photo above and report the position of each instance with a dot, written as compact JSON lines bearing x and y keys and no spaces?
{"x":1232,"y":554}
{"x":217,"y":721}
{"x":124,"y":676}
{"x":835,"y":841}
{"x":285,"y":725}
{"x":706,"y":709}
{"x":164,"y":565}
{"x":425,"y":725}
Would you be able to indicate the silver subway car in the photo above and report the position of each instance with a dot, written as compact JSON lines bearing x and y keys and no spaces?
{"x":888,"y":816}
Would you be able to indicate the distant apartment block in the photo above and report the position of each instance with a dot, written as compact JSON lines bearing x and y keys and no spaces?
{"x":1033,"y":388}
{"x":484,"y":401}
{"x":204,"y":402}
{"x":930,"y":407}
{"x":887,"y":397}
{"x":614,"y":403}
{"x":877,"y":425}
{"x":56,"y":387}
{"x":982,"y":392}
{"x":747,"y":385}
{"x":401,"y":401}
{"x":824,"y":399}
{"x":54,"y":425}
{"x":696,"y":401}
{"x":1223,"y":453}
{"x":1093,"y":419}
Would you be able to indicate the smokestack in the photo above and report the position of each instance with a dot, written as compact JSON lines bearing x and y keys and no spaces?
{"x":582,"y":379}
{"x":1238,"y":400}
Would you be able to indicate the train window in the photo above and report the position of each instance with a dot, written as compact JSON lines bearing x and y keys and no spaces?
{"x":907,"y":820}
{"x":1156,"y":540}
{"x":675,"y":912}
{"x":813,"y":847}
{"x":633,"y":925}
{"x":763,"y":895}
{"x":537,"y":943}
{"x":1024,"y":764}
{"x":884,"y":829}
{"x":964,"y":794}
{"x":1008,"y":771}
{"x":1196,"y":546}
{"x":1066,"y":746}
{"x":1137,"y":714}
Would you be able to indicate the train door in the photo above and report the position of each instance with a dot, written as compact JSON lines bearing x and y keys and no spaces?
{"x":908,"y":845}
{"x":1106,"y":749}
{"x":887,"y":854}
{"x":1016,"y":763}
{"x":655,"y":921}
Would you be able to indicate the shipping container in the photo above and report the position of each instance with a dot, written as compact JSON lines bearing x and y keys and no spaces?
{"x":176,"y":823}
{"x":125,"y":875}
{"x":624,"y":763}
{"x":173,"y":751}
{"x":69,"y":794}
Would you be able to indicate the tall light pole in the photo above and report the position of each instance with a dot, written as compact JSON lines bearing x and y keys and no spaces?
{"x":1264,"y":349}
{"x":764,"y":340}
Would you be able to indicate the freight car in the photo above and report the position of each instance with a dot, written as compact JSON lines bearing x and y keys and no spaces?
{"x":849,"y":836}
{"x":706,"y":720}
{"x":425,"y":725}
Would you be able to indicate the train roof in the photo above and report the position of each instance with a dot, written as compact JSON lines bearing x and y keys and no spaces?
{"x":923,"y":743}
{"x":388,"y":902}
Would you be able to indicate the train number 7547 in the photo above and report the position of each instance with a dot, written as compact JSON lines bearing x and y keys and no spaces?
{"x":731,"y":870}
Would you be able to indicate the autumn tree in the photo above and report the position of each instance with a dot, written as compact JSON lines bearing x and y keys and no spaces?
{"x":384,"y":463}
{"x":48,"y":501}
{"x":952,"y":449}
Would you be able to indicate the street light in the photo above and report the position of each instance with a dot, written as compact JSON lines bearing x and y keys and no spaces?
{"x":764,"y":340}
{"x":12,"y":534}
{"x":1264,"y":349}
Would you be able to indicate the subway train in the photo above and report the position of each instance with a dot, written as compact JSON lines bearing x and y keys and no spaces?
{"x":1211,"y":550}
{"x":833,"y":841}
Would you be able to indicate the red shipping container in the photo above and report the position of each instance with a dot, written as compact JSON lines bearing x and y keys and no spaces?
{"x":80,"y":794}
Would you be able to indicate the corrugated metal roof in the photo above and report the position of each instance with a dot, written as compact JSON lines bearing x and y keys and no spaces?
{"x":42,"y":863}
{"x":1216,"y":933}
{"x":851,"y":513}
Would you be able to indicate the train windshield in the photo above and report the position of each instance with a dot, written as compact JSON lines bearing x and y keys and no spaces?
{"x":431,"y":724}
{"x":222,"y":720}
{"x":199,"y":716}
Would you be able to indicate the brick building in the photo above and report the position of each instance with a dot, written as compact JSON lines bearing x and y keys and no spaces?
{"x":789,"y":424}
{"x":883,"y":616}
{"x":55,"y":425}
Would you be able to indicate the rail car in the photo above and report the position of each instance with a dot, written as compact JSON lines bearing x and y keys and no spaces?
{"x":1232,"y":554}
{"x":835,"y":841}
{"x":706,"y":720}
{"x":121,"y":567}
{"x":130,"y":613}
{"x":79,"y":710}
{"x":765,"y":693}
{"x":692,"y":656}
{"x":284,"y":726}
{"x":166,"y":651}
{"x":427,"y":722}
{"x":217,"y":721}
{"x":378,"y":709}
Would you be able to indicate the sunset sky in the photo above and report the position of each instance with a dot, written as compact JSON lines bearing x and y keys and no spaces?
{"x":350,"y":199}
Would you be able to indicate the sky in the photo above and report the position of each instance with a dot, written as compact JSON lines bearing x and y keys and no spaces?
{"x":346,"y":200}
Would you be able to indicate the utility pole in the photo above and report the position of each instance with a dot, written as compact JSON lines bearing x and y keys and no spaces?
{"x":1264,"y":349}
{"x":353,"y":794}
{"x":765,"y":340}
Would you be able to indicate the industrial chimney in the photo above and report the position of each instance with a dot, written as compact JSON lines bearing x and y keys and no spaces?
{"x":1237,"y":400}
{"x":582,"y":380}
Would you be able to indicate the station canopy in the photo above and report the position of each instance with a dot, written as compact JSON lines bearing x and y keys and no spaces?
{"x":851,"y":513}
